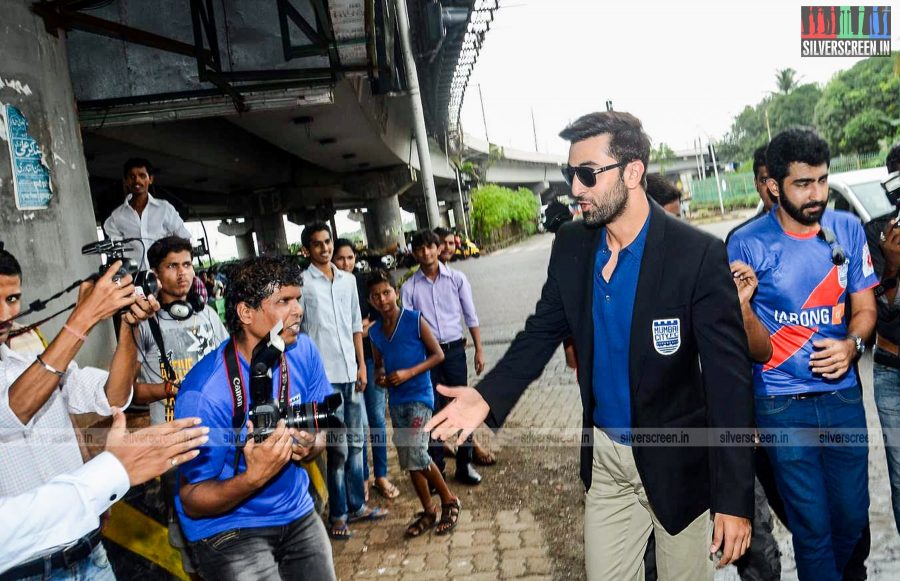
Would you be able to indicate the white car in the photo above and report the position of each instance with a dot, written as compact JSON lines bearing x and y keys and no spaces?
{"x":859,"y":192}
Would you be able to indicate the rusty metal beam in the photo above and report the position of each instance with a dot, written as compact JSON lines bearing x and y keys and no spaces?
{"x":57,"y":15}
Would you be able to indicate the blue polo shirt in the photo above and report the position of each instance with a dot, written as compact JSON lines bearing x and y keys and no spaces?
{"x":205,"y":393}
{"x":612,"y":306}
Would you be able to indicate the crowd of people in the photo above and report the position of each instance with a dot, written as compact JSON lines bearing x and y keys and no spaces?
{"x":668,"y":328}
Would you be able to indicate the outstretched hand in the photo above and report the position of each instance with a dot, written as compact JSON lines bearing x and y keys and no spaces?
{"x":465,"y":412}
{"x":152,"y":451}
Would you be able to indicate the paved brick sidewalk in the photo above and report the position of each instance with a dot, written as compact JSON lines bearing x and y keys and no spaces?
{"x":525,"y":520}
{"x":495,"y":538}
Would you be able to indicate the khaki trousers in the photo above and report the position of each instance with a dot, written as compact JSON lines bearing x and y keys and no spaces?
{"x":618,"y":520}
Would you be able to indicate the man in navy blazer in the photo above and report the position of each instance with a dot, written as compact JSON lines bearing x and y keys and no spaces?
{"x":653,"y":309}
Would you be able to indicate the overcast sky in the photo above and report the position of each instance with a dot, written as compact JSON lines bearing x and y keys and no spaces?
{"x":685,"y":68}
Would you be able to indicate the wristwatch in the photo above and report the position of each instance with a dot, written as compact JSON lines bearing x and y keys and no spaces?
{"x":857,"y":340}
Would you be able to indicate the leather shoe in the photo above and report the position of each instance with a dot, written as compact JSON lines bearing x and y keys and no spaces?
{"x":466,"y":474}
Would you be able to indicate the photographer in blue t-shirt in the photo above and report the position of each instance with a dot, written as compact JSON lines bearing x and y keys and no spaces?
{"x":249,"y":514}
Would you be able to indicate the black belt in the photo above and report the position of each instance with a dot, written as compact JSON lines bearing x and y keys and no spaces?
{"x":811,"y":394}
{"x":62,"y":559}
{"x":886,"y":358}
{"x":451,"y":344}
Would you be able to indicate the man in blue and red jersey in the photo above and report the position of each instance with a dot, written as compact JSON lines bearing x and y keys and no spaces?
{"x":805,"y":280}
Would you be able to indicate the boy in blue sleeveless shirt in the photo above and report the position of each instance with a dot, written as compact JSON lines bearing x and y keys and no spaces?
{"x":404,"y":349}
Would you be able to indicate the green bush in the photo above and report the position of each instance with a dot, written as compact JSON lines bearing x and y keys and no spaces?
{"x":496,"y":210}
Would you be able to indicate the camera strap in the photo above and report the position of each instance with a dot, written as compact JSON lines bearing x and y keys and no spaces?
{"x":238,"y":393}
{"x":167,"y":368}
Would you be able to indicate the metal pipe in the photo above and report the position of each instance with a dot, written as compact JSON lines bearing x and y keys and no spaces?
{"x":712,"y":151}
{"x":426,"y":175}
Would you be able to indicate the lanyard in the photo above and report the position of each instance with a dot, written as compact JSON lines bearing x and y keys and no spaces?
{"x":238,"y":399}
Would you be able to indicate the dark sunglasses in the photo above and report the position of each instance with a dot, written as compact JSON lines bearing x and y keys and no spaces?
{"x":587,"y":175}
{"x":837,"y":253}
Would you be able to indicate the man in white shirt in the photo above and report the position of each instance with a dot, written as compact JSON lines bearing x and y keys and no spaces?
{"x":50,"y":519}
{"x":333,"y":321}
{"x":39,"y":391}
{"x":142,"y":216}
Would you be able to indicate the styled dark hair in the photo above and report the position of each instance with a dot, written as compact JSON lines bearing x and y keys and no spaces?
{"x":795,"y":145}
{"x":165,"y":246}
{"x":9,"y":266}
{"x":662,"y":190}
{"x":378,"y":276}
{"x":137,"y":162}
{"x":892,"y":162}
{"x":424,"y":238}
{"x":759,"y":159}
{"x":310,"y":229}
{"x":254,"y":280}
{"x":627,"y":139}
{"x":442,"y":232}
{"x":341,"y":242}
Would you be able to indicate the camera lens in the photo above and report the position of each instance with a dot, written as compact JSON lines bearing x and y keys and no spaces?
{"x":314,"y":416}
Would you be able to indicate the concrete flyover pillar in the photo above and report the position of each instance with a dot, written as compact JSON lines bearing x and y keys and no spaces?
{"x":270,"y":236}
{"x":245,"y":248}
{"x":539,"y":188}
{"x":459,"y":216}
{"x":46,"y":214}
{"x":384,"y":224}
{"x":445,"y":215}
{"x":421,"y":218}
{"x":243,"y":237}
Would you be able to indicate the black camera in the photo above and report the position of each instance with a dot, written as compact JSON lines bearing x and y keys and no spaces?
{"x":265,"y":411}
{"x":145,"y":281}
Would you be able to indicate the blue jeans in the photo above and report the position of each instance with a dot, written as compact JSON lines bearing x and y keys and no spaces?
{"x":376,"y":397}
{"x":297,"y":550}
{"x":94,"y":567}
{"x":346,"y":487}
{"x":887,"y":400}
{"x":824,"y":484}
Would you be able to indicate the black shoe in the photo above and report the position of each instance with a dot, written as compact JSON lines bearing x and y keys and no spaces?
{"x":431,"y":489}
{"x":466,"y":474}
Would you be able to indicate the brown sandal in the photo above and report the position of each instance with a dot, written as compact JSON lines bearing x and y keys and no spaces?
{"x":424,"y":521}
{"x":449,"y":517}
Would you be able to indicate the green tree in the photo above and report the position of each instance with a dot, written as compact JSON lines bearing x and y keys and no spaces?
{"x":863,"y":132}
{"x":796,"y":108}
{"x":786,"y":80}
{"x":854,"y":101}
{"x":495,"y":207}
{"x":749,"y":130}
{"x":662,"y":154}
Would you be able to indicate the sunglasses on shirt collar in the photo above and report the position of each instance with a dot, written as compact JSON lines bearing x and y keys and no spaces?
{"x":587,"y":175}
{"x":837,"y":253}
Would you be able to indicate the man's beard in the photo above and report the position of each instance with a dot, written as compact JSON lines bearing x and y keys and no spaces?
{"x":797,"y":212}
{"x":611,"y":206}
